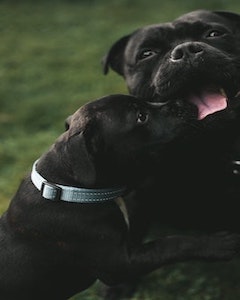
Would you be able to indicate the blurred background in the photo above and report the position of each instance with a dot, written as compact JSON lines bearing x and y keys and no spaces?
{"x":50,"y":65}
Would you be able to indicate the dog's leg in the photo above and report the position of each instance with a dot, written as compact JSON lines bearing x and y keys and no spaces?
{"x":127,"y":266}
{"x":172,"y":249}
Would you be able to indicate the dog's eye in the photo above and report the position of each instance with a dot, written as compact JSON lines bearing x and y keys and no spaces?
{"x":146,"y":53}
{"x":214,"y":33}
{"x":142,"y":117}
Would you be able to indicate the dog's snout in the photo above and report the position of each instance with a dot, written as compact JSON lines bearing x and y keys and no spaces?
{"x":186,"y":50}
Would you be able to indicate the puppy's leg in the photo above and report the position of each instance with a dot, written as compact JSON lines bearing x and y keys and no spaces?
{"x":126,"y":266}
{"x":172,"y":249}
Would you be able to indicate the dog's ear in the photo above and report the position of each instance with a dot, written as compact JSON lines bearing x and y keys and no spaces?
{"x":76,"y":144}
{"x":81,"y":159}
{"x":231,"y":16}
{"x":115,"y":56}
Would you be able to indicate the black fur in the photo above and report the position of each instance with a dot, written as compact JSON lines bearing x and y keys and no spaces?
{"x":168,"y":62}
{"x":197,"y":184}
{"x":54,"y":249}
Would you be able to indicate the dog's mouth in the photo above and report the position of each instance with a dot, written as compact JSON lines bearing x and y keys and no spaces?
{"x":208,"y":101}
{"x":205,"y":100}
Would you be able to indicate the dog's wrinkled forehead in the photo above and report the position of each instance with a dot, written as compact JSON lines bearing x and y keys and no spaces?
{"x":199,"y":15}
{"x":150,"y":34}
{"x":194,"y":19}
{"x":228,"y":19}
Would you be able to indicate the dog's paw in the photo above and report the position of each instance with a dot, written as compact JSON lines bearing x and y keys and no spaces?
{"x":221,"y":246}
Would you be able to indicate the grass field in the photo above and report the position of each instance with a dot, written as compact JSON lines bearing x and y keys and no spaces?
{"x":50,"y":65}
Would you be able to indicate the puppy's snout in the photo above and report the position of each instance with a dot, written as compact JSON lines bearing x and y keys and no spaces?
{"x":188,"y":50}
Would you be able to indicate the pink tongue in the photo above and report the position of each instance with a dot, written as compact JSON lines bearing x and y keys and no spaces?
{"x":208,"y":102}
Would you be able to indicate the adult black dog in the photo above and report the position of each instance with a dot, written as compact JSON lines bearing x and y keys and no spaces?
{"x":194,"y":60}
{"x":70,"y":221}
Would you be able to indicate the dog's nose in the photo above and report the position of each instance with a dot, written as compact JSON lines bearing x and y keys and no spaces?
{"x":186,"y":50}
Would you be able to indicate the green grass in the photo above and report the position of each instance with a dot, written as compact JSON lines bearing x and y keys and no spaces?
{"x":50,"y":65}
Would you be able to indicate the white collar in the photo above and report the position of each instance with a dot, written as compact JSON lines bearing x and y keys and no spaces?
{"x":54,"y":191}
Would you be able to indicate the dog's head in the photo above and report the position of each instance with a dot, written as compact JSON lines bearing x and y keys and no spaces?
{"x":114,"y":138}
{"x":195,"y":58}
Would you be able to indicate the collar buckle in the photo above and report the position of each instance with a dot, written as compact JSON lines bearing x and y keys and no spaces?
{"x":51,"y":191}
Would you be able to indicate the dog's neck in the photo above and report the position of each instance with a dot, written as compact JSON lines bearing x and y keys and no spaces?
{"x":75,"y":172}
{"x":56,"y":192}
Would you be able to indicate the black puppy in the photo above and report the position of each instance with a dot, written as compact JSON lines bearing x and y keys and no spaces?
{"x":70,"y":220}
{"x":192,"y":61}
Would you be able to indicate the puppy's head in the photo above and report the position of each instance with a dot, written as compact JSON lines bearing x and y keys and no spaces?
{"x":195,"y":58}
{"x":116,"y":137}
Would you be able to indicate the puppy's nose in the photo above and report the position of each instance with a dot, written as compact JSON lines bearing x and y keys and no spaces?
{"x":186,"y":50}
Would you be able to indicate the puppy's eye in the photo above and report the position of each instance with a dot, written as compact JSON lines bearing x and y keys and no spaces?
{"x":214,"y":33}
{"x":142,"y":118}
{"x":146,"y":53}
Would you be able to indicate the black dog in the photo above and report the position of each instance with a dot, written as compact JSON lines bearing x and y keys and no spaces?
{"x":68,"y":223}
{"x":192,"y":61}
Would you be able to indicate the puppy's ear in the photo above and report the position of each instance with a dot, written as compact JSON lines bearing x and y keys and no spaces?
{"x":81,"y":159}
{"x":114,"y":58}
{"x":231,"y":16}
